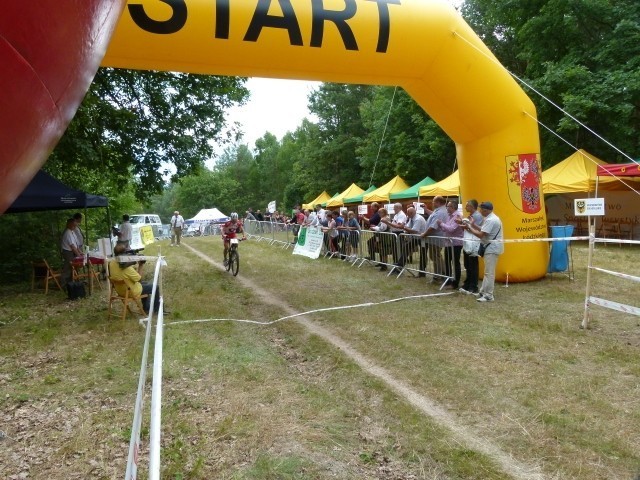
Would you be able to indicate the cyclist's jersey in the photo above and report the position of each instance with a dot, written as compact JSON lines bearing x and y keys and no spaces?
{"x":230,"y":229}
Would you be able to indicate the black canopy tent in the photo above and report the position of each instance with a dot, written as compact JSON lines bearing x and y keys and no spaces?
{"x":46,"y":193}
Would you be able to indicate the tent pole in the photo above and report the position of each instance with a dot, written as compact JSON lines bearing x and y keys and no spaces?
{"x":108,"y":222}
{"x":86,"y":228}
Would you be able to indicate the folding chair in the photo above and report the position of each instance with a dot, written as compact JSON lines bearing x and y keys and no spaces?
{"x":79,"y":272}
{"x":126,"y":300}
{"x":42,"y":270}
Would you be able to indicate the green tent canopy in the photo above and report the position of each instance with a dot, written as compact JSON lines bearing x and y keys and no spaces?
{"x":413,"y":191}
{"x":324,"y":204}
{"x":358,"y":198}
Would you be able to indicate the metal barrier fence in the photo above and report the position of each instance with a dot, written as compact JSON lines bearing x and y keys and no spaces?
{"x":406,"y":253}
{"x":281,"y":234}
{"x":393,"y":253}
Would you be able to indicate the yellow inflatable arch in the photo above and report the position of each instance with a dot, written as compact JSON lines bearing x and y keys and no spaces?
{"x":424,"y":46}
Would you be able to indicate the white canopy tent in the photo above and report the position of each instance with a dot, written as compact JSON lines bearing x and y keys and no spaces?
{"x":207,"y":215}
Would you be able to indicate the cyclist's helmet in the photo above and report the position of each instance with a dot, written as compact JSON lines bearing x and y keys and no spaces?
{"x":234,"y":216}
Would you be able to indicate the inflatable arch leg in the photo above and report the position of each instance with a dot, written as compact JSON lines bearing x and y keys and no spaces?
{"x":49,"y":53}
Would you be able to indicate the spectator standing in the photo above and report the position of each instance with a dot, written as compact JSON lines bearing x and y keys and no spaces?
{"x":343,"y":233}
{"x":177,"y":222}
{"x":124,"y":235}
{"x":69,"y":249}
{"x":452,"y":228}
{"x":332,"y":231}
{"x":371,"y":222}
{"x":322,"y":215}
{"x":77,"y":217}
{"x":470,"y":260}
{"x":397,"y":227}
{"x":490,"y":235}
{"x":353,"y":240}
{"x":312,"y":218}
{"x":436,"y":240}
{"x":416,"y":225}
{"x":297,"y":220}
{"x":381,"y":246}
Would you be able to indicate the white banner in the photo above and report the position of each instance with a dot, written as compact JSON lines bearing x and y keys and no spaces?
{"x":584,"y":207}
{"x":309,"y":242}
{"x":271,"y":207}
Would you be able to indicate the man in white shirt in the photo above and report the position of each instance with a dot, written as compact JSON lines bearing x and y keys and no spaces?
{"x":176,"y":228}
{"x":397,"y":226}
{"x":416,"y":225}
{"x":124,"y":235}
{"x":77,"y":217}
{"x":437,"y":236}
{"x":312,"y":218}
{"x":322,"y":215}
{"x":490,"y":235}
{"x":70,"y":250}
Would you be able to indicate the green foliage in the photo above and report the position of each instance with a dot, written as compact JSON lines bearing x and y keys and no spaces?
{"x":584,"y":55}
{"x":138,"y":125}
{"x":413,"y":145}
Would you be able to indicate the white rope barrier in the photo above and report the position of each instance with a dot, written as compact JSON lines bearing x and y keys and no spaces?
{"x":610,"y":304}
{"x":156,"y":400}
{"x":617,"y":274}
{"x":136,"y":426}
{"x":328,"y":309}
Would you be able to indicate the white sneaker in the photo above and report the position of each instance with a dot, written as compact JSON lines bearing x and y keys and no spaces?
{"x":484,"y":299}
{"x":462,"y":290}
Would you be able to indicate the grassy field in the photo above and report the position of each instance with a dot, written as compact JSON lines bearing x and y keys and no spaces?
{"x":244,"y":401}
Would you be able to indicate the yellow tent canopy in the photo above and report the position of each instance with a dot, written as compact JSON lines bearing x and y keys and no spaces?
{"x":323,"y":197}
{"x":352,"y":191}
{"x":382,"y":194}
{"x":577,"y":173}
{"x":448,"y":187}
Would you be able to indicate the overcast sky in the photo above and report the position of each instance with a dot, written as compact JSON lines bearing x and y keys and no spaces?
{"x":276,"y":106}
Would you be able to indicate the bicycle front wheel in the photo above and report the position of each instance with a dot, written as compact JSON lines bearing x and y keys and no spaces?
{"x":234,"y":262}
{"x":229,"y":257}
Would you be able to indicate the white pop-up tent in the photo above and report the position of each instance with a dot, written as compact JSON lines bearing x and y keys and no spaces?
{"x":207,"y":215}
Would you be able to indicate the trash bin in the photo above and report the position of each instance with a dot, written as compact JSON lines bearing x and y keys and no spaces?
{"x":559,"y":259}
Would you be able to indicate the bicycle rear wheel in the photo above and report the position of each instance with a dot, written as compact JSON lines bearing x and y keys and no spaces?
{"x":234,"y":262}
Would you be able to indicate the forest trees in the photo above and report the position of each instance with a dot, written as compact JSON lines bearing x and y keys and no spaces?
{"x":141,"y":126}
{"x":584,"y":55}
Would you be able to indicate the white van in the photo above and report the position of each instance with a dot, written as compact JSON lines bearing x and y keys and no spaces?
{"x":148,"y":219}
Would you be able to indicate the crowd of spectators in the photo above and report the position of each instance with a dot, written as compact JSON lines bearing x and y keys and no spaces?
{"x":433,"y":239}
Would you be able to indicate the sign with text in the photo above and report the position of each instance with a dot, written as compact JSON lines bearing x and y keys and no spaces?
{"x":362,"y":209}
{"x":309,"y":242}
{"x":584,"y":207}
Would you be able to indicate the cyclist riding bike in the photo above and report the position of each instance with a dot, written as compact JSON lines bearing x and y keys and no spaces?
{"x":229,"y":231}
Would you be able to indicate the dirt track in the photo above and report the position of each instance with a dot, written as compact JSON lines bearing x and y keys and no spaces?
{"x":462,"y":434}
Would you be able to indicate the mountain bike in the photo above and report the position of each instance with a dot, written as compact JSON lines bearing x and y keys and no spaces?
{"x":233,"y":263}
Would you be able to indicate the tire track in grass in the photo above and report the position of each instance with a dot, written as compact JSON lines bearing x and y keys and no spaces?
{"x":462,"y":434}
